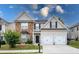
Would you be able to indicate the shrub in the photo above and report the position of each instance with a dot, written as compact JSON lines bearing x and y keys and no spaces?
{"x":29,"y":41}
{"x":3,"y":42}
{"x":11,"y":38}
{"x":68,"y":41}
{"x":76,"y":39}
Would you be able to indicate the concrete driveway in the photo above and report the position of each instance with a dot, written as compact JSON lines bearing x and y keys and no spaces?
{"x":54,"y":49}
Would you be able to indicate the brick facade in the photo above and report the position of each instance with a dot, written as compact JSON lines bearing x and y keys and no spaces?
{"x":17,"y":26}
{"x":30,"y":28}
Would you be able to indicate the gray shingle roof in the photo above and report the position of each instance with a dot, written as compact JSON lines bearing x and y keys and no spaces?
{"x":41,"y":21}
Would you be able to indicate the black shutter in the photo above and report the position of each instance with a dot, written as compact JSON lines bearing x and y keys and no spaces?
{"x":55,"y":24}
{"x":0,"y":27}
{"x":50,"y":24}
{"x":39,"y":26}
{"x":34,"y":26}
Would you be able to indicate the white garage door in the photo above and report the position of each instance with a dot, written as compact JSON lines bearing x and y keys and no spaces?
{"x":60,"y":39}
{"x":46,"y":38}
{"x":53,"y":38}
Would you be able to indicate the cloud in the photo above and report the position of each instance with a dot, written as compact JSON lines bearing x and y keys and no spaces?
{"x":34,"y":6}
{"x":44,"y":11}
{"x":59,"y":9}
{"x":36,"y":18}
{"x":11,"y":6}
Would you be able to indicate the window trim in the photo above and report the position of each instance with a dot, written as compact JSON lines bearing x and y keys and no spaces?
{"x":24,"y":25}
{"x":37,"y":27}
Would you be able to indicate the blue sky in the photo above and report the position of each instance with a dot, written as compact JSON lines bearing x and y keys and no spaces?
{"x":69,"y":13}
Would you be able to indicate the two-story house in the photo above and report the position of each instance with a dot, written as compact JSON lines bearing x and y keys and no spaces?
{"x":50,"y":31}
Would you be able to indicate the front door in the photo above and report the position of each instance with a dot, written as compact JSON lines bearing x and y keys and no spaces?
{"x":37,"y":39}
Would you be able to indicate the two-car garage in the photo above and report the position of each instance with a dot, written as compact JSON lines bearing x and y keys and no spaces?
{"x":53,"y":37}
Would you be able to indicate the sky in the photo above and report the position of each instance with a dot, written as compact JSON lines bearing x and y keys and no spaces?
{"x":69,"y":13}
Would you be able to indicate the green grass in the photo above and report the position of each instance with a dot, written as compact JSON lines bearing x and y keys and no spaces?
{"x":74,"y":43}
{"x":22,"y":53}
{"x":26,"y":47}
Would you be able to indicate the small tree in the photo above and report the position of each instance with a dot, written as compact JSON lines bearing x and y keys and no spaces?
{"x":12,"y":38}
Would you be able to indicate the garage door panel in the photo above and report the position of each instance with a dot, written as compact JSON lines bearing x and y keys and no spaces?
{"x":59,"y":40}
{"x":46,"y":39}
{"x":53,"y":37}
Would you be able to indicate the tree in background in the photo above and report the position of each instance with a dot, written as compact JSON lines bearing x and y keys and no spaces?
{"x":12,"y":38}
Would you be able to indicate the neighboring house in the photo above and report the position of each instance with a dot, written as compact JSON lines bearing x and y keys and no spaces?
{"x":3,"y":25}
{"x":74,"y":32}
{"x":51,"y":31}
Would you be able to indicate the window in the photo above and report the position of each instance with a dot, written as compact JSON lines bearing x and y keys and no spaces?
{"x":24,"y":37}
{"x":53,"y":25}
{"x":77,"y":28}
{"x":1,"y":38}
{"x":0,"y":27}
{"x":24,"y":25}
{"x":37,"y":26}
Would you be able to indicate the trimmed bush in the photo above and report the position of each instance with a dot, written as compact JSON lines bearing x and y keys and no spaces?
{"x":3,"y":42}
{"x":29,"y":41}
{"x":12,"y":38}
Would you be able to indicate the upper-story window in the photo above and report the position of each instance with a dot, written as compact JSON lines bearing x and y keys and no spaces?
{"x":24,"y":25}
{"x":77,"y":28}
{"x":53,"y":25}
{"x":37,"y":26}
{"x":0,"y":27}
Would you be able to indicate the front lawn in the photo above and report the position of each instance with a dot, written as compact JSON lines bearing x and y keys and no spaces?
{"x":26,"y":47}
{"x":74,"y":43}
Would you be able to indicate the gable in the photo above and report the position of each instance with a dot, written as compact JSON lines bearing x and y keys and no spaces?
{"x":2,"y":21}
{"x":23,"y":17}
{"x":53,"y":20}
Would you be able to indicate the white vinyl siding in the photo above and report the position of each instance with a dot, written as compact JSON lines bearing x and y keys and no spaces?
{"x":2,"y":28}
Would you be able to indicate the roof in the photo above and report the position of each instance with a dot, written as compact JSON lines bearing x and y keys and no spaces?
{"x":53,"y":29}
{"x":58,"y":19}
{"x":40,"y":21}
{"x":20,"y":14}
{"x":75,"y":25}
{"x":3,"y":21}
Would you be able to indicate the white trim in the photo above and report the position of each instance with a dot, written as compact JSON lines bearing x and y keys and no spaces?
{"x":56,"y":18}
{"x":21,"y":13}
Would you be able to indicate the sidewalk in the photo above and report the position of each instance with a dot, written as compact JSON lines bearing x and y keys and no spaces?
{"x":12,"y":51}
